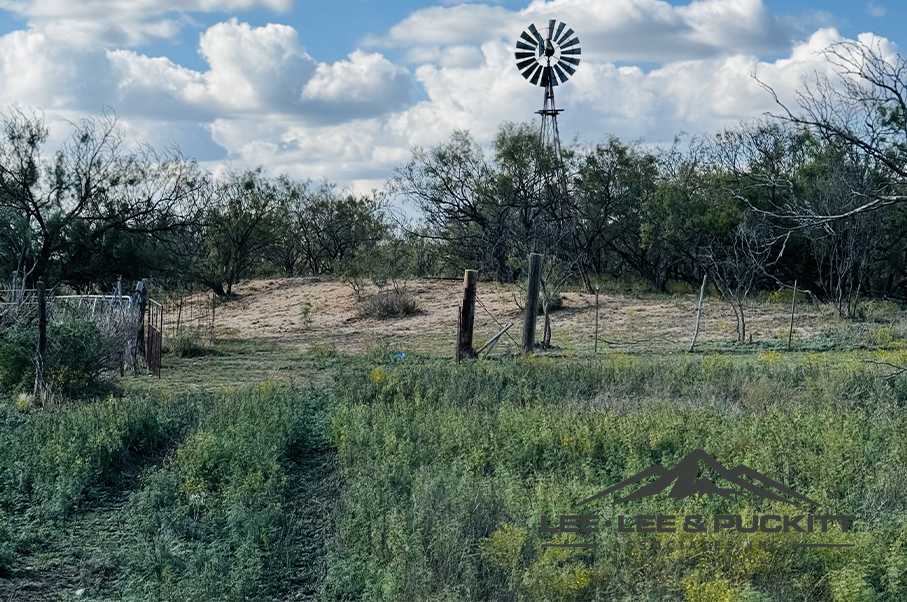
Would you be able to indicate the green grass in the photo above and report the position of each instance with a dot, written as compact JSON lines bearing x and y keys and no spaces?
{"x":170,"y":492}
{"x":236,"y":363}
{"x":448,"y":470}
{"x":262,"y":473}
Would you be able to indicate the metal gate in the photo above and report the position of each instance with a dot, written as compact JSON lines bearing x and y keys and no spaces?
{"x":155,"y":337}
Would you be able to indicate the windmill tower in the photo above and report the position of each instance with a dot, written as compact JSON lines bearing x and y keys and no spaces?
{"x":547,"y":61}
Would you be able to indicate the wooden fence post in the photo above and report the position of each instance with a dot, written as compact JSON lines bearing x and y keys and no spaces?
{"x":532,"y":301}
{"x":467,"y":315}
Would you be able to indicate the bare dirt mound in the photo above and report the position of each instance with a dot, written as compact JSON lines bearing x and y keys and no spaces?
{"x":302,"y":312}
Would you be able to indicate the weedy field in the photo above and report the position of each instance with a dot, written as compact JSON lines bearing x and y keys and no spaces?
{"x":312,"y":463}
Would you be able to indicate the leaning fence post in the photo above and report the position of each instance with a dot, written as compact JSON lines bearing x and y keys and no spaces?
{"x":532,"y":301}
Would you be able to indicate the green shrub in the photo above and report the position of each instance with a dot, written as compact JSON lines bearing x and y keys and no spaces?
{"x":555,"y":302}
{"x":54,"y":460}
{"x":678,"y":287}
{"x":875,"y":310}
{"x":389,"y":304}
{"x":190,"y":341}
{"x":78,"y":357}
{"x":18,"y":348}
{"x":7,"y":548}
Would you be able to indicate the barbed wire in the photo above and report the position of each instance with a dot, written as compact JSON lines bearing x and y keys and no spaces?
{"x":500,"y":325}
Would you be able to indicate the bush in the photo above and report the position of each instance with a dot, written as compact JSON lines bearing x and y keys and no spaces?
{"x":555,"y":302}
{"x":388,"y":304}
{"x":17,"y":363}
{"x":52,"y":461}
{"x":872,"y":310}
{"x":189,"y":341}
{"x":78,"y":356}
{"x":7,"y":549}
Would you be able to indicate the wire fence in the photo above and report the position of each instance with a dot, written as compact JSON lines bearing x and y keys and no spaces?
{"x":116,"y":321}
{"x":188,"y":316}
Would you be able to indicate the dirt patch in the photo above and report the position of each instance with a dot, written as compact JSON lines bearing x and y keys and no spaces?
{"x":276,"y":310}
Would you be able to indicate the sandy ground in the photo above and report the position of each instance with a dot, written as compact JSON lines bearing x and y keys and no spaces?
{"x":274,"y":309}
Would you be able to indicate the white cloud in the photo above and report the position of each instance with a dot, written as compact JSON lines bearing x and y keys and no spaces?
{"x":38,"y":70}
{"x":255,"y":68}
{"x":463,"y":24}
{"x":876,"y":10}
{"x":366,"y":83}
{"x":623,"y":30}
{"x":264,"y":100}
{"x":261,"y":71}
{"x":694,"y":96}
{"x":111,"y":9}
{"x":122,"y":22}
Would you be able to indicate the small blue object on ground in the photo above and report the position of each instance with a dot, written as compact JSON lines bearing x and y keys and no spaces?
{"x":400,"y":356}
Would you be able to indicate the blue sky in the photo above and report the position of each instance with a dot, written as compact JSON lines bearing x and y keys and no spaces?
{"x":344,"y":89}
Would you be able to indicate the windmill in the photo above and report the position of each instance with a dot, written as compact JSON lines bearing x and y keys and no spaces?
{"x":547,"y":61}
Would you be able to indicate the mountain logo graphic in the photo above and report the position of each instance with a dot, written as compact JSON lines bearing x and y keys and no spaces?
{"x":686,"y":481}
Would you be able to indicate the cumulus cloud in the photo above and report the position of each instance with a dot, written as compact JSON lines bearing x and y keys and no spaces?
{"x":122,"y":22}
{"x":437,"y":25}
{"x":43,"y":72}
{"x":694,"y":96}
{"x":255,"y":68}
{"x":264,"y":99}
{"x":366,"y":83}
{"x":261,"y":71}
{"x":617,"y":30}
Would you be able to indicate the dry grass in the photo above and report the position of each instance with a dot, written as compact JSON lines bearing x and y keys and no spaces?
{"x":271,"y":309}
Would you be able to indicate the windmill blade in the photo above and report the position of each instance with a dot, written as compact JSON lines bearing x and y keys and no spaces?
{"x":538,"y":37}
{"x":565,"y":36}
{"x":523,"y":46}
{"x":533,"y":43}
{"x":551,"y":28}
{"x":571,"y":51}
{"x":535,"y":76}
{"x":524,"y":55}
{"x":572,"y":42}
{"x":560,"y":28}
{"x":522,"y":65}
{"x":527,"y":73}
{"x":570,"y":59}
{"x":560,"y":73}
{"x":566,"y":67}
